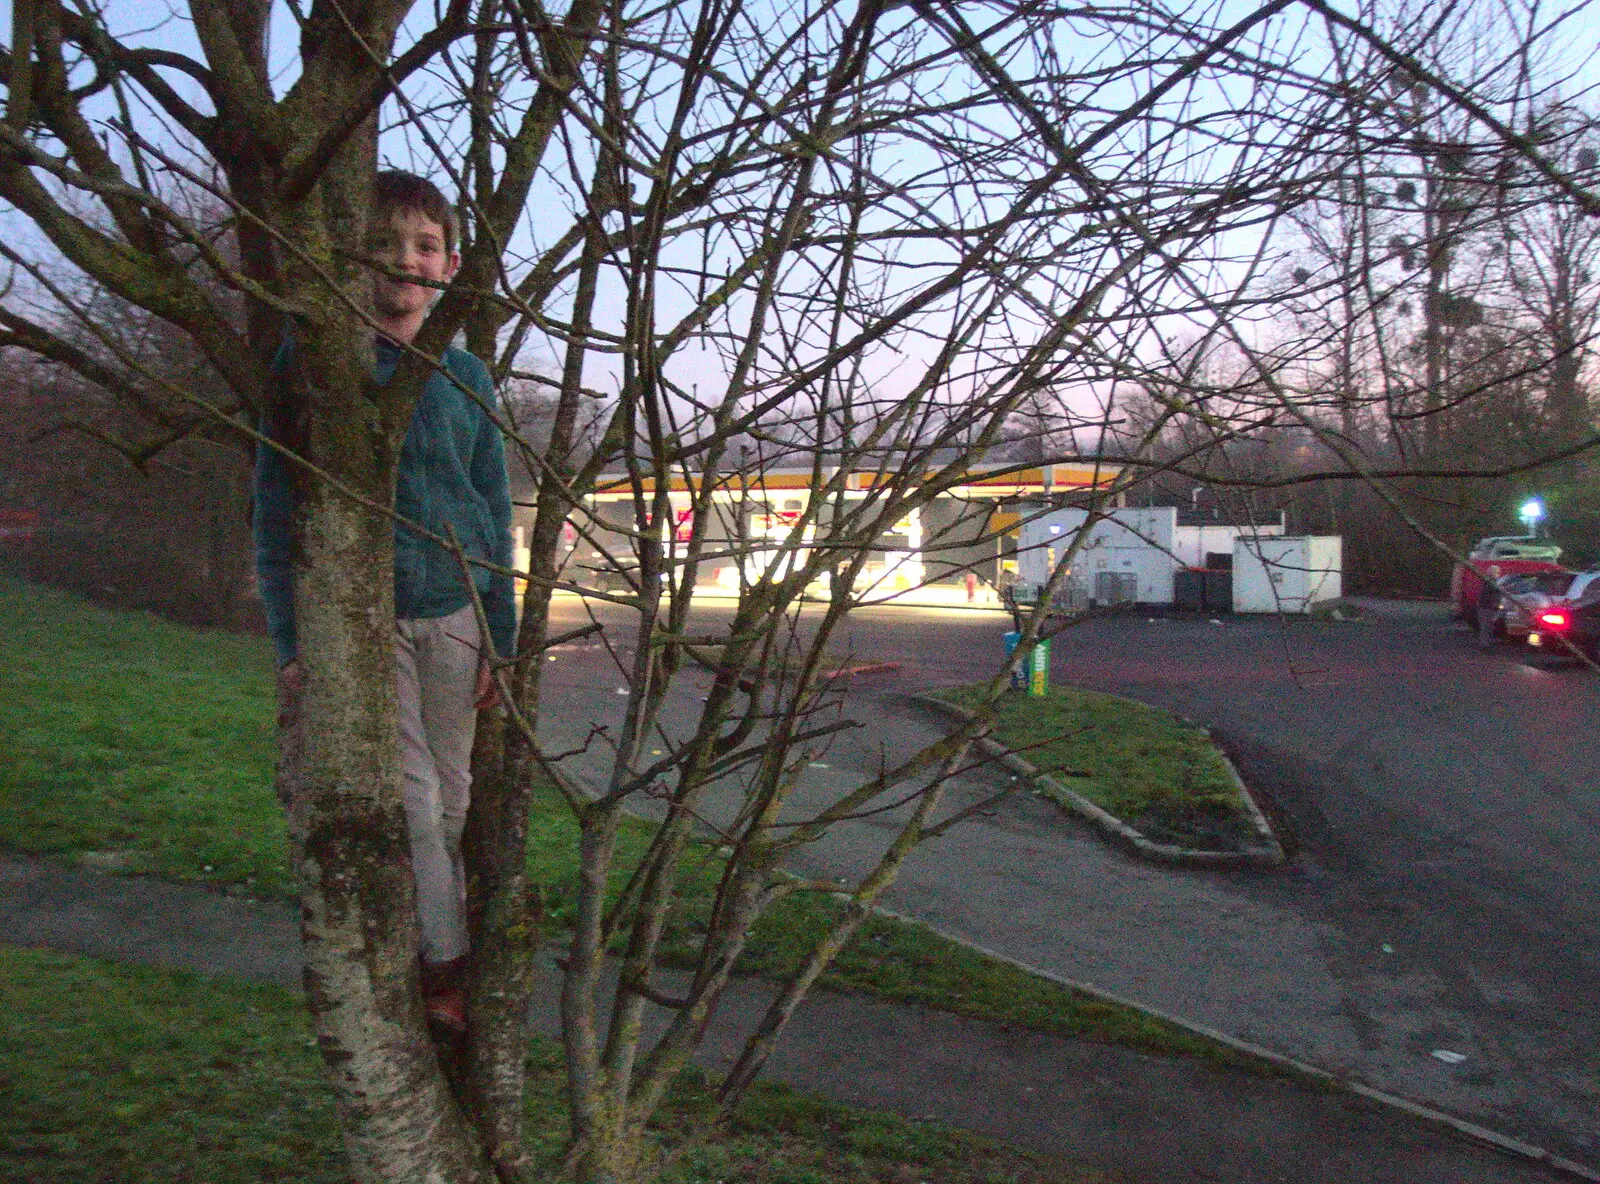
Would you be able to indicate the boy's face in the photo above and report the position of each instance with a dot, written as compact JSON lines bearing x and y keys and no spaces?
{"x":415,"y":244}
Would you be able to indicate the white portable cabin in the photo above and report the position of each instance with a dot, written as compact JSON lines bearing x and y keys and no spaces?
{"x":1194,"y":543}
{"x":1286,"y":574}
{"x":1131,"y":555}
{"x":1127,"y":557}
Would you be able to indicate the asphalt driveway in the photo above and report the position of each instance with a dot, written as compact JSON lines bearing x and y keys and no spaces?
{"x":1445,"y":807}
{"x":1443,"y":897}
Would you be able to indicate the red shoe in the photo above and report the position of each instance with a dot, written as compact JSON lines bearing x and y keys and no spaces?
{"x":447,"y":1009}
{"x":442,"y":996}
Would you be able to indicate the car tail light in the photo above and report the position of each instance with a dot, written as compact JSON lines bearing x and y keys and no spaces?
{"x":1554,"y":619}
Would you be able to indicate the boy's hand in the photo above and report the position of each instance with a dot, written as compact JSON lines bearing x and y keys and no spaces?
{"x":488,"y":693}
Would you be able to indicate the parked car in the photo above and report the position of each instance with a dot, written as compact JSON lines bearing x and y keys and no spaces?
{"x":1570,"y":622}
{"x":607,"y":573}
{"x":1493,"y":559}
{"x":617,"y":573}
{"x":1506,"y":608}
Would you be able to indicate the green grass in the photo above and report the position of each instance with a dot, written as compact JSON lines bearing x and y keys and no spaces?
{"x":121,"y":732}
{"x":115,"y":1074}
{"x":149,"y":746}
{"x":1148,"y":767}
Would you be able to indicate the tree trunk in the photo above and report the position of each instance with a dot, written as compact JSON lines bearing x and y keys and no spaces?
{"x":504,"y":917}
{"x":352,"y":864}
{"x":349,"y":840}
{"x":616,"y":1152}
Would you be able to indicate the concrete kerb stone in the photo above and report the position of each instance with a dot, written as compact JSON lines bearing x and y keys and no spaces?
{"x":864,"y":668}
{"x":1471,"y":1130}
{"x":1268,"y":854}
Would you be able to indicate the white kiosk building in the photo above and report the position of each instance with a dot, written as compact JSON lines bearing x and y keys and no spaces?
{"x":1134,"y":556}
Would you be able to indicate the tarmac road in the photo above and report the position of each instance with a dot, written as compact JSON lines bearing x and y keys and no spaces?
{"x":1444,"y":894}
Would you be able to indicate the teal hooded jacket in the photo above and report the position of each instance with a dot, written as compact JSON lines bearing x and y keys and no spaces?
{"x":452,"y":474}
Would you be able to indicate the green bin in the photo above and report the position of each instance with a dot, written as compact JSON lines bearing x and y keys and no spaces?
{"x":1034,"y":671}
{"x":1039,"y":669}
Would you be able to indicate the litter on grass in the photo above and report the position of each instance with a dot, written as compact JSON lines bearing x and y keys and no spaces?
{"x":1448,"y":1057}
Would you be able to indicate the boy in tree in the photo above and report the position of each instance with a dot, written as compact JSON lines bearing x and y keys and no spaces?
{"x":452,"y":475}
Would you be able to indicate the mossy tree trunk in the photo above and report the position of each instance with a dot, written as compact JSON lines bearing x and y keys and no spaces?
{"x":349,"y":839}
{"x":298,"y":169}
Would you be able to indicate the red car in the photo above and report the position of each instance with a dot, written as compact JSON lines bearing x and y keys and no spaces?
{"x":1493,"y":559}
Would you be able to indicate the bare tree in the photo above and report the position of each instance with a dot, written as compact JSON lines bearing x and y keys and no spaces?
{"x":849,"y":241}
{"x":1437,"y":325}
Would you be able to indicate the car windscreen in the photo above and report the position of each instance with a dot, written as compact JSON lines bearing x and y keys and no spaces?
{"x":1551,"y":583}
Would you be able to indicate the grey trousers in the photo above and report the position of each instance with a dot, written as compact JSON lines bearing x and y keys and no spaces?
{"x":436,"y":674}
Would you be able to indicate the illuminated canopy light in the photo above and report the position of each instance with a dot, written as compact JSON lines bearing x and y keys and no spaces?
{"x":1532,"y":510}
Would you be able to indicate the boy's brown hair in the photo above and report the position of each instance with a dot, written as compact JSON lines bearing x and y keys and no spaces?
{"x":398,"y":192}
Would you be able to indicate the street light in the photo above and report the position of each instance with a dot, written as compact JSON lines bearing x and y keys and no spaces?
{"x":1531,"y":512}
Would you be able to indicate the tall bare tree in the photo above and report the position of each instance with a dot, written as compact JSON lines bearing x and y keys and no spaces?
{"x":848,"y":239}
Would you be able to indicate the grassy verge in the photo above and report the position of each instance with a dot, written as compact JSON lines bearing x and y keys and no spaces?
{"x":1145,"y":765}
{"x":124,"y":734}
{"x":146,"y":746}
{"x":113,"y":1073}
